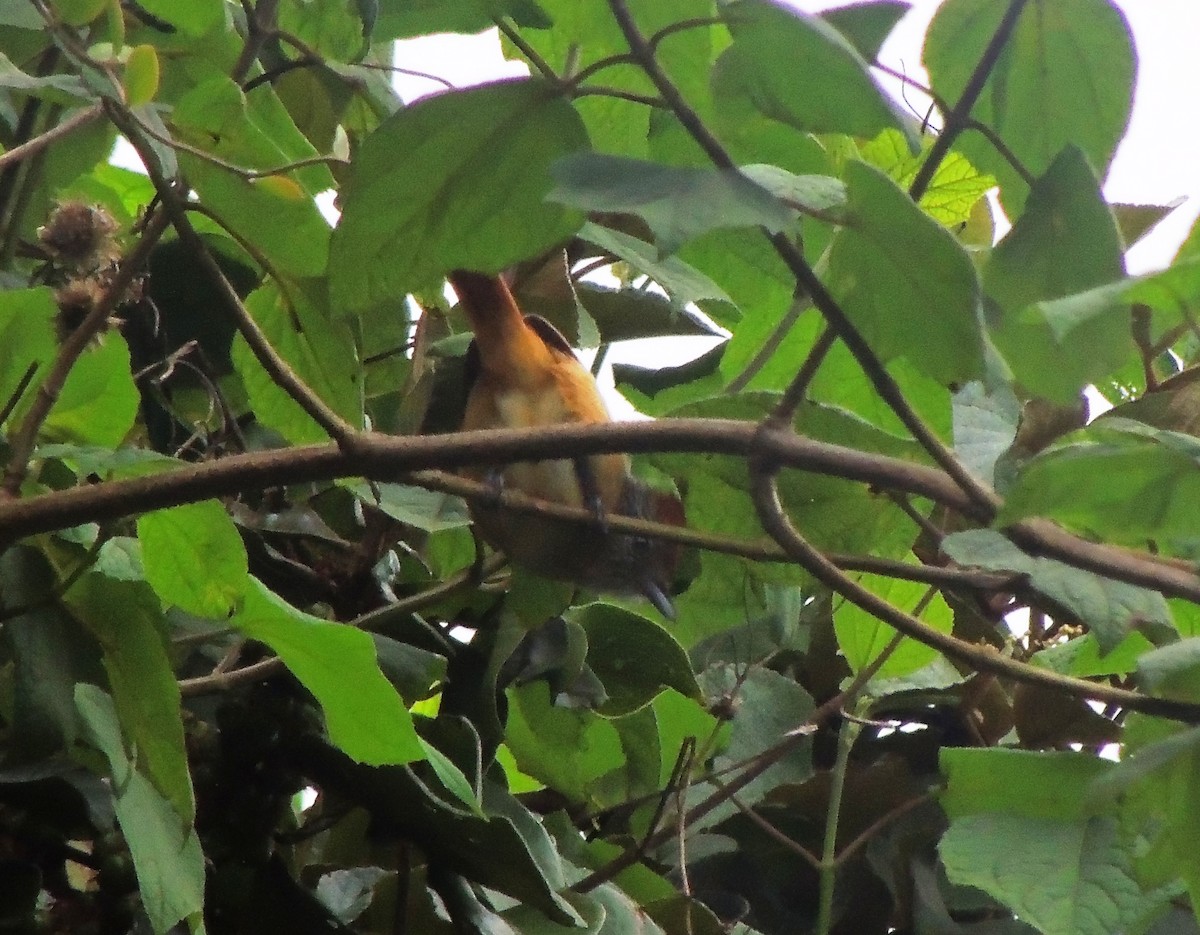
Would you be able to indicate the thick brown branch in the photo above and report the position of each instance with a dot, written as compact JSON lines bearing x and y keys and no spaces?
{"x":384,"y":457}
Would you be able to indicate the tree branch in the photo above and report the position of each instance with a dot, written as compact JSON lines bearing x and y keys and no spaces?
{"x":81,"y":118}
{"x":978,"y":658}
{"x":958,"y":119}
{"x":874,"y":370}
{"x":276,"y":367}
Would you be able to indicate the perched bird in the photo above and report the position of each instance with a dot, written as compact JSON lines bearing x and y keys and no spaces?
{"x":523,"y":373}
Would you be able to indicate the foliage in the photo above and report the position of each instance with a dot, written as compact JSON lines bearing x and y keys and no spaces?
{"x":255,"y":675}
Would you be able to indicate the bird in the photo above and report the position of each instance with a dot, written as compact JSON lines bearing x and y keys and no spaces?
{"x":522,"y":373}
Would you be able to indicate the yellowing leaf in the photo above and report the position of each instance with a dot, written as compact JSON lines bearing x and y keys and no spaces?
{"x":141,"y":75}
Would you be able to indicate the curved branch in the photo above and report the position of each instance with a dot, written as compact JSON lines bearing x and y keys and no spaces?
{"x":978,"y":658}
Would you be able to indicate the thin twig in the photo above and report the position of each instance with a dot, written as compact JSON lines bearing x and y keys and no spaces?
{"x":793,"y":397}
{"x":249,"y":175}
{"x":956,"y":119}
{"x":885,"y":385}
{"x":18,"y":391}
{"x":879,"y":824}
{"x":276,"y":367}
{"x":797,"y":307}
{"x":753,"y":768}
{"x":540,"y":65}
{"x":81,"y":118}
{"x":769,"y":829}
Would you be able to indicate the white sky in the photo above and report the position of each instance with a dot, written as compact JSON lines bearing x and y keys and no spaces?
{"x":1158,"y":163}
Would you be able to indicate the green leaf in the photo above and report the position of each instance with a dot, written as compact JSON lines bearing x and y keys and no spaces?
{"x":568,"y":750}
{"x":683,"y":283}
{"x":50,"y":652}
{"x":862,"y":636}
{"x":1065,"y":77}
{"x":768,"y":706}
{"x":364,"y":715}
{"x":1150,"y":490}
{"x":194,"y":558}
{"x":473,"y":180}
{"x":634,"y":658}
{"x":334,"y":30}
{"x":1062,"y":877}
{"x":985,"y":425}
{"x":194,"y":17}
{"x":882,"y":269}
{"x":141,"y":75}
{"x":1110,"y":609}
{"x":1083,"y":658}
{"x":141,"y":678}
{"x":1032,"y":785}
{"x":1066,"y":242}
{"x":26,"y":339}
{"x":57,"y":89}
{"x":679,"y":204}
{"x":1172,"y":670}
{"x":99,"y":402}
{"x":164,"y":847}
{"x":867,"y":25}
{"x":451,"y":777}
{"x":952,"y":193}
{"x":414,"y":506}
{"x":321,"y":352}
{"x":795,"y":68}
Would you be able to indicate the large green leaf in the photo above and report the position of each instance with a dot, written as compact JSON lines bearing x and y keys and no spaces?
{"x":1023,"y":831}
{"x":1110,"y":609}
{"x":796,"y":68}
{"x":164,"y":847}
{"x":1065,"y":77}
{"x":321,"y":352}
{"x":194,"y":558}
{"x":1066,"y":242}
{"x":99,"y":402}
{"x":904,"y":280}
{"x":139,"y":673}
{"x":365,"y":716}
{"x":679,"y":204}
{"x":634,"y":658}
{"x":1120,"y":480}
{"x":469,"y":171}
